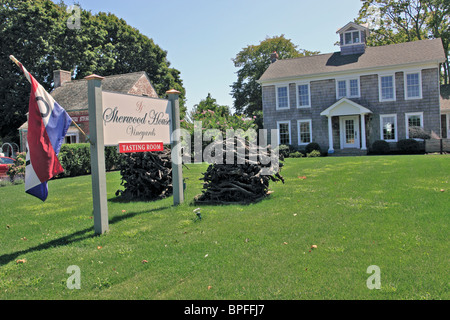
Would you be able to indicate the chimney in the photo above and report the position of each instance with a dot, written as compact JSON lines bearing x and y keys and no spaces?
{"x":61,"y":76}
{"x":274,"y":57}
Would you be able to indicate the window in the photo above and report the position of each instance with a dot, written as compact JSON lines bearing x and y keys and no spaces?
{"x":352,"y":37}
{"x":387,"y":88}
{"x":413,"y":120}
{"x":342,"y":89}
{"x":284,"y":132}
{"x":347,"y":88}
{"x":71,"y":138}
{"x":304,"y":132}
{"x":388,"y":130}
{"x":354,"y":88}
{"x":303,"y":96}
{"x":413,"y":86}
{"x":282,"y":98}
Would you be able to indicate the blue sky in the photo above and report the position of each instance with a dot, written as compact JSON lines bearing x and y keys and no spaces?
{"x":202,"y":36}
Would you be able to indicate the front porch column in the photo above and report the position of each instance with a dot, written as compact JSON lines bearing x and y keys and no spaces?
{"x":363,"y":132}
{"x":330,"y":135}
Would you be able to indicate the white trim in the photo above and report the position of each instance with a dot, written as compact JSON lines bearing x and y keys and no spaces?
{"x":276,"y":96}
{"x":395,"y":127}
{"x":279,"y":133}
{"x":347,"y":80}
{"x":342,"y":132}
{"x":409,"y":114}
{"x":359,"y":109}
{"x":380,"y":94}
{"x":297,"y":95}
{"x":310,"y":131}
{"x":353,"y":43}
{"x":405,"y":77}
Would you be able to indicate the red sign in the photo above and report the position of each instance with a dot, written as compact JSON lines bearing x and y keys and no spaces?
{"x":140,"y":147}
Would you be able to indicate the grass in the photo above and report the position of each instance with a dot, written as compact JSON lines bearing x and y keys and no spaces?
{"x":358,"y":211}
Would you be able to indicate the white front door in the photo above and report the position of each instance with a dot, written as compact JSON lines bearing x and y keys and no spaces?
{"x":349,"y":132}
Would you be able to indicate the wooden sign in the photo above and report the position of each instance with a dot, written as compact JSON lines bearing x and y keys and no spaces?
{"x":130,"y":118}
{"x":140,"y":147}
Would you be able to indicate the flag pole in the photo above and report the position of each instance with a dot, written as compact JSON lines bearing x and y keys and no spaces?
{"x":73,"y":122}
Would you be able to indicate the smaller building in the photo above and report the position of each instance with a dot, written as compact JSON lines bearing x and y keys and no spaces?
{"x":72,"y":95}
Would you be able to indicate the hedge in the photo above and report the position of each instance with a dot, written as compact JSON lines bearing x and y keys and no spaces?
{"x":76,"y":159}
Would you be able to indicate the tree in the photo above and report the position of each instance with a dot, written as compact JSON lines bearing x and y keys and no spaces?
{"x":36,"y":33}
{"x":408,"y":20}
{"x":252,"y":62}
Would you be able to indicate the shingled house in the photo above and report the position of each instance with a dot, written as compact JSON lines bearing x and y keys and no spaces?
{"x":73,"y":97}
{"x":351,"y":98}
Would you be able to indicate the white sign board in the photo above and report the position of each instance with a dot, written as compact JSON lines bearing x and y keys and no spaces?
{"x":129,"y":118}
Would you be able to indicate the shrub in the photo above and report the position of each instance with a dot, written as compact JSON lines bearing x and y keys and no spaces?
{"x":313,"y":154}
{"x":296,"y":154}
{"x":285,"y":150}
{"x":408,"y":145}
{"x":76,"y":159}
{"x":313,"y":146}
{"x":380,"y":147}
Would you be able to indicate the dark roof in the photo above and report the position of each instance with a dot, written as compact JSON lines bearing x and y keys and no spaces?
{"x":445,"y":97}
{"x":374,"y":57}
{"x":72,"y":95}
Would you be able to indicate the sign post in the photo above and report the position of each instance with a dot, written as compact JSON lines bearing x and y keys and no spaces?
{"x":98,"y":171}
{"x":177,"y":166}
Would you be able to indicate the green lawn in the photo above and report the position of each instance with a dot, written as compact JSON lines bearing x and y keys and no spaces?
{"x":359,"y":211}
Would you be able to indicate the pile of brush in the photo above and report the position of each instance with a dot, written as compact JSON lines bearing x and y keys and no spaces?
{"x":243,"y":181}
{"x":146,"y":176}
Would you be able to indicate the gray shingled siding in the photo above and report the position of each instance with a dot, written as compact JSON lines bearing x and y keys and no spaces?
{"x":323,"y":95}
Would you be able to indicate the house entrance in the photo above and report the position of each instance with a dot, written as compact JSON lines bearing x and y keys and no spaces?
{"x":349,"y":129}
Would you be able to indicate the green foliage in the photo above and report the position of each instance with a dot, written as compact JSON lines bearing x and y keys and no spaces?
{"x":409,"y":146}
{"x":17,"y":169}
{"x":313,"y":146}
{"x":76,"y":159}
{"x":210,"y":115}
{"x":408,"y":20}
{"x":252,"y":62}
{"x":296,"y":154}
{"x":313,"y":154}
{"x":380,"y":147}
{"x":36,"y":33}
{"x":285,"y":150}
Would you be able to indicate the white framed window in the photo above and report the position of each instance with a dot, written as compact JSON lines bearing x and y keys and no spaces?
{"x":282,"y":96}
{"x":304,"y":128}
{"x":284,"y":132}
{"x":352,"y":37}
{"x":388,"y":127}
{"x":71,"y":137}
{"x":387,"y":87}
{"x":413,"y":119}
{"x":347,"y":88}
{"x":341,"y":89}
{"x":303,"y":95}
{"x":413,"y":85}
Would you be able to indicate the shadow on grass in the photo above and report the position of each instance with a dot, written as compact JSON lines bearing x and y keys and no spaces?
{"x":71,"y":238}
